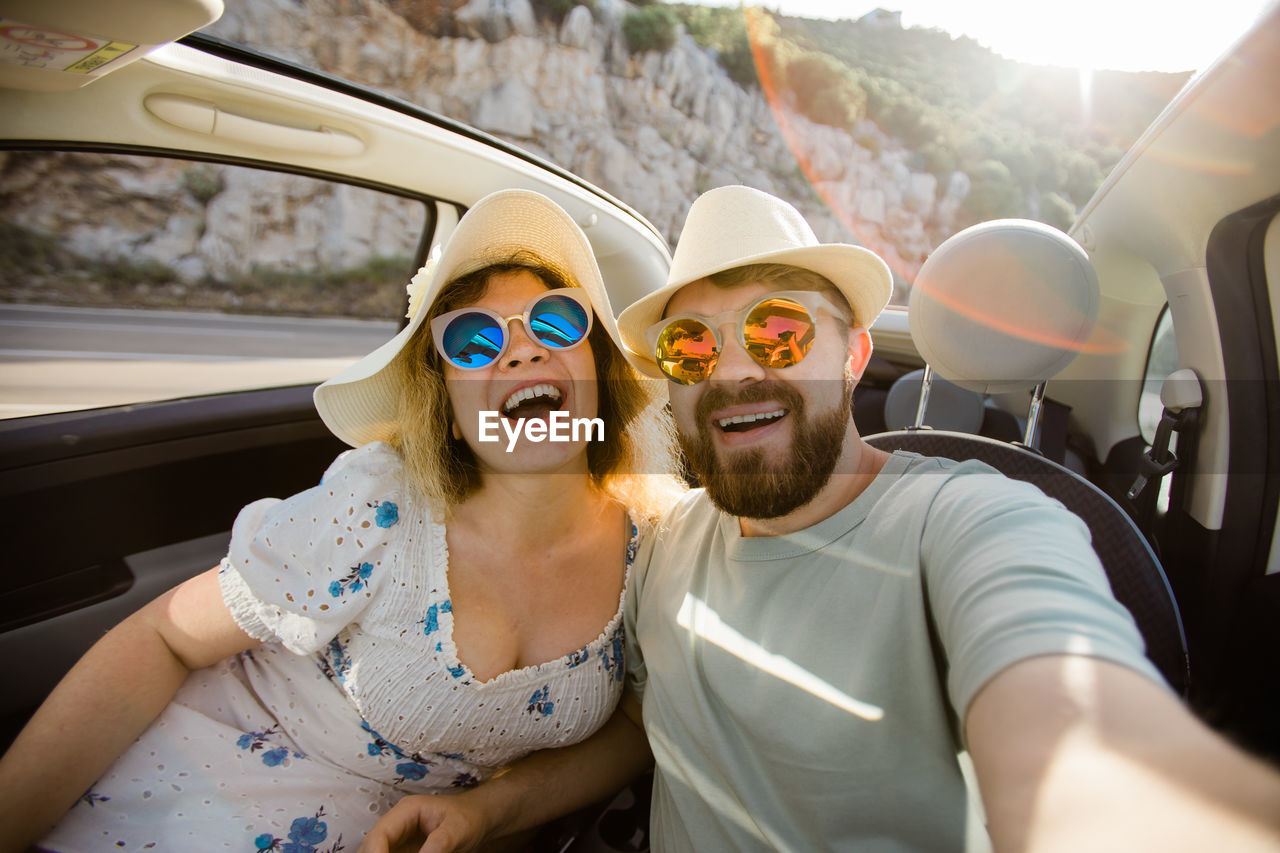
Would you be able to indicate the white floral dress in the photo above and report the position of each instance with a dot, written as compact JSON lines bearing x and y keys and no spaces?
{"x":355,"y":698}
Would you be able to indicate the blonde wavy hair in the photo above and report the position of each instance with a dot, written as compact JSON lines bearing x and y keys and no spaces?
{"x":636,"y":462}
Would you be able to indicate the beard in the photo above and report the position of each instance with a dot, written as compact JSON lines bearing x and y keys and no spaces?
{"x":746,"y":483}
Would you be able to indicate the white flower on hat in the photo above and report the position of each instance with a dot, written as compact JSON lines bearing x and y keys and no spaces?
{"x":417,"y":286}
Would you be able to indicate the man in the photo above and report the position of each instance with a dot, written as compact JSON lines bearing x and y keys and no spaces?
{"x":816,"y":635}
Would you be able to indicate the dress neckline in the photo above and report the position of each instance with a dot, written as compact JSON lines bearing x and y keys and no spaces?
{"x":572,"y":658}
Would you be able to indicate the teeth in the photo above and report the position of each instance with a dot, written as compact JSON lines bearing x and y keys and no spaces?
{"x":746,"y":419}
{"x":544,"y":390}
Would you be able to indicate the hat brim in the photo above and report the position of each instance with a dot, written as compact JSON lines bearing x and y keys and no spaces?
{"x":861,"y":276}
{"x":360,"y":404}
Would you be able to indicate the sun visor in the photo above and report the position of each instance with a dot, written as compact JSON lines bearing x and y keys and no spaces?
{"x":56,"y":45}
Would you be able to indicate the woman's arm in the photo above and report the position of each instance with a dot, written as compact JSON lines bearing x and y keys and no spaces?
{"x":534,"y":790}
{"x":107,"y":700}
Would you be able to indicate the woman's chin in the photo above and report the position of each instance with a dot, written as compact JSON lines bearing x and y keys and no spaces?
{"x":536,"y":458}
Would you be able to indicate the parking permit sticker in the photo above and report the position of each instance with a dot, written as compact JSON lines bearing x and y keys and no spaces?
{"x":41,"y":47}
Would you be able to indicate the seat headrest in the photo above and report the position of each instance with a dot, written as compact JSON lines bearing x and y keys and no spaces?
{"x":1003,"y":305}
{"x":950,"y":406}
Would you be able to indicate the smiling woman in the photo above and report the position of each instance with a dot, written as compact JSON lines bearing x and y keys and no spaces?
{"x":376,"y":635}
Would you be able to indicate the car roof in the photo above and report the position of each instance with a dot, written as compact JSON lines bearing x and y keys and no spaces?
{"x":209,"y":98}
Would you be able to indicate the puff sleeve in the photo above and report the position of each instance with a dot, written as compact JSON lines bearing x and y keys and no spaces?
{"x":299,"y":570}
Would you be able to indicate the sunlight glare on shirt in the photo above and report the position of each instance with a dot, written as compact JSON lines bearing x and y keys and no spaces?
{"x":696,"y":616}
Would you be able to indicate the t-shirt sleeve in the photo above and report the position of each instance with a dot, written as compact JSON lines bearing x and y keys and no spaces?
{"x":1012,"y":574}
{"x":299,"y":570}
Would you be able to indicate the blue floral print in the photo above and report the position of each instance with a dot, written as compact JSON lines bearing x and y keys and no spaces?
{"x":431,"y":622}
{"x":612,"y":655}
{"x":304,"y":834}
{"x":541,"y":702}
{"x":413,"y":766}
{"x":411,"y":770}
{"x":273,"y":757}
{"x":633,"y":544}
{"x":458,"y":671}
{"x":336,"y":663}
{"x":92,"y":797}
{"x":259,"y":741}
{"x":385,"y":513}
{"x":355,"y":580}
{"x":464,"y":780}
{"x":578,"y":658}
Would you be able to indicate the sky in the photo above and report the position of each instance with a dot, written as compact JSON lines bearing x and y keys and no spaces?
{"x":1126,"y":35}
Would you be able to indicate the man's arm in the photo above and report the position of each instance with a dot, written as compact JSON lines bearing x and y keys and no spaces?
{"x":532,"y":791}
{"x":1075,"y":753}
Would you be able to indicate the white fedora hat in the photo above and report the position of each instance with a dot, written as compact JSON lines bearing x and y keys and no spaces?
{"x":734,"y":226}
{"x":360,"y":404}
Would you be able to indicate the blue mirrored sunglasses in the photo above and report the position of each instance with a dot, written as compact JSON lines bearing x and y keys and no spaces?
{"x":472,"y":338}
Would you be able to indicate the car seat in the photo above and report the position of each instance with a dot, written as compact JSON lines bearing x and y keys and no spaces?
{"x":1003,"y":307}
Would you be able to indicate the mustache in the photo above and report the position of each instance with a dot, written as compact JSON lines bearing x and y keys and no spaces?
{"x":719,"y":397}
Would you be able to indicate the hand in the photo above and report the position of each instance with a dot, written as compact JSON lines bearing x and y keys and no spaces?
{"x":450,"y":823}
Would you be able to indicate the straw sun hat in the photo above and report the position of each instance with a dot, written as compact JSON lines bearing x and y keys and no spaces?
{"x":735,"y":226}
{"x":359,"y":405}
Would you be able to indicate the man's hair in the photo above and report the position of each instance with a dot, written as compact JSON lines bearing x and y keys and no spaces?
{"x":784,"y":277}
{"x":634,"y":462}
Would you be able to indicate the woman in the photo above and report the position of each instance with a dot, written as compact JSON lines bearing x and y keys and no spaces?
{"x":440,"y":605}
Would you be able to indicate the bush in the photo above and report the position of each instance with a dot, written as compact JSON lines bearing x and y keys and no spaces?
{"x":650,"y":28}
{"x":825,"y":91}
{"x":994,"y":194}
{"x":23,"y":250}
{"x":1057,"y":211}
{"x":725,"y":32}
{"x":203,"y":182}
{"x":557,"y":9}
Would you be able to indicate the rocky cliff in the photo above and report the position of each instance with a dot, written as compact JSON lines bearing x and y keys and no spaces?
{"x":654,"y":129}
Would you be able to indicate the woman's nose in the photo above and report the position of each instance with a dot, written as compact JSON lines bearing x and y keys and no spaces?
{"x":522,"y":347}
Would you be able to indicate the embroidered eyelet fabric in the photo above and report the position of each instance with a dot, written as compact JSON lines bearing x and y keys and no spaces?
{"x":356,"y":697}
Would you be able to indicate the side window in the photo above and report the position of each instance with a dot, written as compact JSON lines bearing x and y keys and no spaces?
{"x":132,"y":278}
{"x":1162,"y":360}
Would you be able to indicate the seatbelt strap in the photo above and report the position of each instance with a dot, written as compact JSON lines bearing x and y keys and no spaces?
{"x":1182,"y":396}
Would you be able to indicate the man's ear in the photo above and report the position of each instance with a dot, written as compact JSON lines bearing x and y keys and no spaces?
{"x":859,"y":351}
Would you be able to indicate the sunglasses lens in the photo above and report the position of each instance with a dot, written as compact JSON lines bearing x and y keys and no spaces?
{"x":558,"y":321}
{"x":472,"y":340}
{"x":686,"y":351}
{"x":778,"y":333}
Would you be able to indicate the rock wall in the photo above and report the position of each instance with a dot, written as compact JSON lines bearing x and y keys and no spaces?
{"x":654,"y":129}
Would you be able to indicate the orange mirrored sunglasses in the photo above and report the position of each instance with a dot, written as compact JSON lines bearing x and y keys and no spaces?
{"x":777,"y":330}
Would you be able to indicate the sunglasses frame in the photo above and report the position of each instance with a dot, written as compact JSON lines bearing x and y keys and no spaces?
{"x":440,"y":324}
{"x":811,"y":301}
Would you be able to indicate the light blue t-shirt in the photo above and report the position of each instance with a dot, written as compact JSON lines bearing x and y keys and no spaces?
{"x":790,"y":690}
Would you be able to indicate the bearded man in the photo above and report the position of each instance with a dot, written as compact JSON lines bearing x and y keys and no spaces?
{"x":815,"y":635}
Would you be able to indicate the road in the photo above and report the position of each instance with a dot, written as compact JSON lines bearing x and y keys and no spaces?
{"x":59,"y":359}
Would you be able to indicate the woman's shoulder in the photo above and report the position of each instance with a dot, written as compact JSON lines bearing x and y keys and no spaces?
{"x":376,"y":461}
{"x":301,"y":568}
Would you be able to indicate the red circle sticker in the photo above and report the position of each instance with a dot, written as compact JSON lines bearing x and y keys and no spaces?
{"x":47,"y":39}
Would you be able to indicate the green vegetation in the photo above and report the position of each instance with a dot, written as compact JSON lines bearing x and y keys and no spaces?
{"x":1027,"y":137}
{"x":557,"y":9}
{"x":725,"y":32}
{"x":202,"y":181}
{"x":650,"y":28}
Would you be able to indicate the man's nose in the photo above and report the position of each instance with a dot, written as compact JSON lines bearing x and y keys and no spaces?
{"x":734,"y":363}
{"x":522,"y":347}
